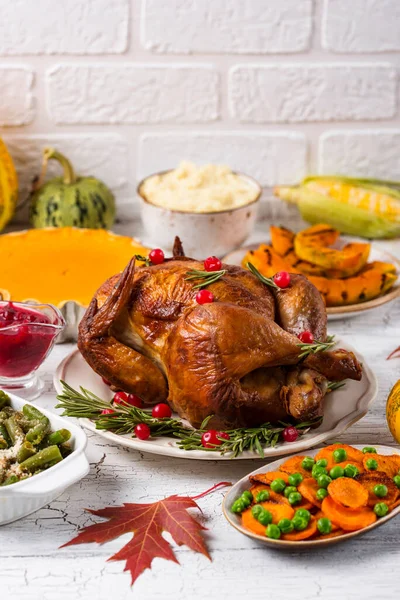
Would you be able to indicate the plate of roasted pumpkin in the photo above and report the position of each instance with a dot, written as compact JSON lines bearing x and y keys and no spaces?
{"x":329,"y":495}
{"x":237,"y":365}
{"x":351,"y":276}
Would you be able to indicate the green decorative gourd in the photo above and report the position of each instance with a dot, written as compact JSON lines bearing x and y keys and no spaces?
{"x":70,"y":200}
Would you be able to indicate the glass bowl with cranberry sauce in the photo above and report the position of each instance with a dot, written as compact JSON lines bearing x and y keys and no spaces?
{"x":27,"y":335}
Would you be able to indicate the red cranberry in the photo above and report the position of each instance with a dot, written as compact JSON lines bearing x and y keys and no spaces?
{"x":160,"y":411}
{"x":212,"y":263}
{"x":224,"y":435}
{"x":209,"y":439}
{"x":107,"y":411}
{"x":290,"y":434}
{"x":142,"y":431}
{"x":204,"y":297}
{"x":157,"y":256}
{"x":282,"y":279}
{"x":306,"y":337}
{"x":131,"y":399}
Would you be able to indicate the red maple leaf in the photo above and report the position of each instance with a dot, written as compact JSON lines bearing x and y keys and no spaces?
{"x":147,"y":522}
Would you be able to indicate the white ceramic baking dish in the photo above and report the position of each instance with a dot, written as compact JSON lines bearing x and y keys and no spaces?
{"x":25,"y":497}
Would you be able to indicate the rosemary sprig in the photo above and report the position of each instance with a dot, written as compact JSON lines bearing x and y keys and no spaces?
{"x":315,"y":347}
{"x":85,"y":404}
{"x":335,"y":385}
{"x":206,"y":277}
{"x":266,"y":280}
{"x":144,"y":259}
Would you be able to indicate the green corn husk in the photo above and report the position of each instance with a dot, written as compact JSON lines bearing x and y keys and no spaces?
{"x":318,"y":207}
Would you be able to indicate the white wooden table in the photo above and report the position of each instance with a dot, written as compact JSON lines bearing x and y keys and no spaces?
{"x":32,"y":566}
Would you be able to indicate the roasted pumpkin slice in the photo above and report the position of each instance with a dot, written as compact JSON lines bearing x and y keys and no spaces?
{"x":282,"y":241}
{"x":267,"y":261}
{"x":312,"y":245}
{"x":372,"y":281}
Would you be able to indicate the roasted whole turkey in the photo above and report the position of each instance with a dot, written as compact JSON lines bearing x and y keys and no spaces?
{"x":236,"y":358}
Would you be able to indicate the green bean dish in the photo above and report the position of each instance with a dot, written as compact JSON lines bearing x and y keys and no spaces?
{"x":28,"y":446}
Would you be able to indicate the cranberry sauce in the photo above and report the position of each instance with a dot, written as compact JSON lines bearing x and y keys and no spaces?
{"x":25,"y":337}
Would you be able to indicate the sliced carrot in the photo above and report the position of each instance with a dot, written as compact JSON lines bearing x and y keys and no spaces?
{"x":251,"y":523}
{"x":279,"y":507}
{"x":387,"y":464}
{"x":395,"y":504}
{"x":269,"y":476}
{"x":349,"y":520}
{"x":353,"y":455}
{"x":296,"y":536}
{"x":308,"y":489}
{"x":348,"y":492}
{"x":258,"y":488}
{"x":304,"y":504}
{"x":293,"y":465}
{"x":322,"y":515}
{"x":371,"y":479}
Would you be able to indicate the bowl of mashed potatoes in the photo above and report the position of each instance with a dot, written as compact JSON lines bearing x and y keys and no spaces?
{"x":210,"y":207}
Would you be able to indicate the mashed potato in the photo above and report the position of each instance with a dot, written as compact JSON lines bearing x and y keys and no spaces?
{"x":210,"y":188}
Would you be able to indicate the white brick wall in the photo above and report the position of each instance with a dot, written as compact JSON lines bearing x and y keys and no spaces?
{"x":274,"y":88}
{"x":299,"y":92}
{"x":132,"y":93}
{"x":227,"y":26}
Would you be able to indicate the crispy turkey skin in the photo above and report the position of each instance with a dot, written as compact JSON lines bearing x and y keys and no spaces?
{"x":236,"y":358}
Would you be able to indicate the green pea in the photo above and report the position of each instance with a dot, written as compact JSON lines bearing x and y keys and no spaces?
{"x":336,"y":472}
{"x":339,"y":455}
{"x":289,"y":490}
{"x":248,"y":495}
{"x":396,"y":480}
{"x":295,"y":498}
{"x":323,"y":481}
{"x":273,"y":532}
{"x":264,"y":517}
{"x":351,"y":471}
{"x":285,"y":525}
{"x":381,"y":509}
{"x":371,"y":464}
{"x":238,"y":506}
{"x":256,"y":510}
{"x":324,"y":526}
{"x":278,"y":485}
{"x":308,"y":463}
{"x":262,"y":496}
{"x":369,"y":450}
{"x":321,"y":494}
{"x":295,"y":479}
{"x":322,"y":462}
{"x":303,"y":514}
{"x":299,"y":524}
{"x":245,"y":500}
{"x":317,"y":471}
{"x":380,"y":490}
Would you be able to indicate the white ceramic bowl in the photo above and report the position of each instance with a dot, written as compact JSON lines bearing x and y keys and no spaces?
{"x":25,"y":497}
{"x":201,"y":233}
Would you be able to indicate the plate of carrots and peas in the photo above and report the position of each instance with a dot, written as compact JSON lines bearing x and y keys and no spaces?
{"x":329,"y":495}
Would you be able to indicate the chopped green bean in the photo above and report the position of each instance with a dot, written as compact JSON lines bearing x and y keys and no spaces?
{"x":14,"y":430}
{"x":33,"y":414}
{"x":43,"y":458}
{"x":11,"y":479}
{"x":4,"y":400}
{"x":27,"y":449}
{"x":58,"y":437}
{"x":5,"y":441}
{"x":37,"y":434}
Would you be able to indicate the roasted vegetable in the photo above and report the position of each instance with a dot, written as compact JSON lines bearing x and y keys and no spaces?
{"x":8,"y":186}
{"x":393,"y":409}
{"x":70,"y":201}
{"x":312,"y":244}
{"x":363,"y":207}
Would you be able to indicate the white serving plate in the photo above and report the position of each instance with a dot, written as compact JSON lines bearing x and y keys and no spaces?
{"x":27,"y":496}
{"x":343,"y":408}
{"x":336,"y":313}
{"x":239,"y":487}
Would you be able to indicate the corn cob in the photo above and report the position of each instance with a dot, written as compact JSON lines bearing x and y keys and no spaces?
{"x":363,"y":207}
